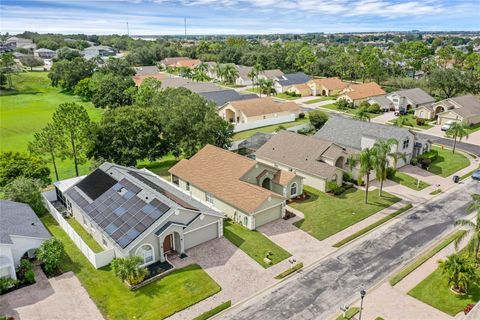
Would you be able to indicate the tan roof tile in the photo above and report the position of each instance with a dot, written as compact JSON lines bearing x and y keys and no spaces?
{"x":332,"y":83}
{"x":364,"y":90}
{"x":262,"y":106}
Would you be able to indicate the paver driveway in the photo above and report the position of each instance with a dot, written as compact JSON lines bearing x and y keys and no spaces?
{"x":58,"y":298}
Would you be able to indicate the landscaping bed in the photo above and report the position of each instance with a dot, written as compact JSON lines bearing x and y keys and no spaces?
{"x":254,"y":244}
{"x":326,"y":215}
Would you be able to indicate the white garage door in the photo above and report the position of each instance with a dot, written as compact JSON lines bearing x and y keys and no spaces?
{"x":268,"y":216}
{"x":201,"y":235}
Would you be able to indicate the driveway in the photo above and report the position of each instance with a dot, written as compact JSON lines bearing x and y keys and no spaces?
{"x":384,"y":118}
{"x":58,"y":298}
{"x":318,"y":292}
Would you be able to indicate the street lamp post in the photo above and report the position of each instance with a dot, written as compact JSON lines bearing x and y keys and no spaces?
{"x":362,"y":295}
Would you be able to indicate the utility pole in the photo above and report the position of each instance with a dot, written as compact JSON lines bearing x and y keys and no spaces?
{"x":185,"y":25}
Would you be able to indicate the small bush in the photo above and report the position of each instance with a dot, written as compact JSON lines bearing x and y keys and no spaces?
{"x":50,"y":253}
{"x":29,"y":277}
{"x":390,"y":173}
{"x":414,"y":161}
{"x":334,"y":188}
{"x":420,"y":121}
{"x":374,"y":108}
{"x":25,"y":272}
{"x":6,"y":284}
{"x":317,"y":118}
{"x":425,"y":163}
{"x":343,"y":104}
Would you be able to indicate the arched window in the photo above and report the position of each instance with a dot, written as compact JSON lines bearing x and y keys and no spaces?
{"x":146,"y":253}
{"x":293,"y":189}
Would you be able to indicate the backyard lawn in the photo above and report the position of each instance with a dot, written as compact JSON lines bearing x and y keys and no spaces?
{"x":409,"y":121}
{"x":86,"y":237}
{"x":158,"y":300}
{"x":161,"y":166}
{"x":434,"y":290}
{"x":253,"y":243}
{"x":248,"y":133}
{"x":408,"y":181}
{"x":447,"y":163}
{"x":326,"y":215}
{"x":319,"y":100}
{"x":28,"y":108}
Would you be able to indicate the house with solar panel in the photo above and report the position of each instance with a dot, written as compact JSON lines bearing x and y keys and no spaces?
{"x":136,"y":213}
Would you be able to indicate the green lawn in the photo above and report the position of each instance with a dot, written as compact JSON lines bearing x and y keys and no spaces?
{"x":334,"y":107}
{"x":28,"y":108}
{"x":473,"y":128}
{"x":158,"y":300}
{"x":253,"y":243}
{"x":278,"y":95}
{"x":408,"y":181}
{"x":319,"y":100}
{"x":86,"y":237}
{"x":447,"y":163}
{"x":210,"y":313}
{"x":161,"y":166}
{"x":248,"y":133}
{"x":411,"y":122}
{"x":349,"y":314}
{"x":434,"y":290}
{"x":326,"y":215}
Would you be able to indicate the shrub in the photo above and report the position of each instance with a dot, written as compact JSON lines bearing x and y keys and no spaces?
{"x":6,"y":284}
{"x":317,"y":118}
{"x":25,"y":272}
{"x":420,"y":121}
{"x":425,"y":163}
{"x":301,"y":115}
{"x":414,"y":161}
{"x":390,"y":172}
{"x":343,"y":104}
{"x":15,"y":164}
{"x":50,"y":253}
{"x":26,"y":190}
{"x":29,"y":277}
{"x":374,"y":108}
{"x":128,"y":269}
{"x":334,"y":188}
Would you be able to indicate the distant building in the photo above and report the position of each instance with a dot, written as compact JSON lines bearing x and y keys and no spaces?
{"x":98,"y":51}
{"x":21,"y":43}
{"x":45,"y":53}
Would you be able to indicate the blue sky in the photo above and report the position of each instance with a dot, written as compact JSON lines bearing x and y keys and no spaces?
{"x":236,"y":16}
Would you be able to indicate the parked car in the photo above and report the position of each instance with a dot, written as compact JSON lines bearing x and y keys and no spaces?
{"x":446,"y":126}
{"x":476,"y":175}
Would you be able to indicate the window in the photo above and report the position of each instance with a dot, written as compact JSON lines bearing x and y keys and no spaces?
{"x":84,"y":221}
{"x":175,"y":180}
{"x":293,"y":189}
{"x":187,"y":186}
{"x":104,"y":242}
{"x":146,"y":253}
{"x":406,"y":142}
{"x":245,"y":221}
{"x":209,"y":197}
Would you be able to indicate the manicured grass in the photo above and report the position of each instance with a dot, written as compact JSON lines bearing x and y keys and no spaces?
{"x":435,"y":291}
{"x":473,"y":128}
{"x":331,"y":106}
{"x":326,"y":215}
{"x":408,"y":181}
{"x":161,"y":166}
{"x":210,"y":313}
{"x":157,"y":300}
{"x":86,"y":237}
{"x":289,"y":271}
{"x":351,"y":112}
{"x":435,"y":192}
{"x":253,"y":243}
{"x":349,"y":314}
{"x":421,"y":260}
{"x":28,"y":108}
{"x":372,"y":226}
{"x":285,"y":96}
{"x":410,"y":121}
{"x":318,"y":100}
{"x":231,"y":85}
{"x":248,"y":133}
{"x":447,"y":163}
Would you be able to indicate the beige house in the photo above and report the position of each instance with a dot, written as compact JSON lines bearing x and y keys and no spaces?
{"x":248,"y":192}
{"x":302,"y":89}
{"x":465,"y":109}
{"x":356,"y":93}
{"x":317,"y":161}
{"x":259,"y":112}
{"x":326,"y":86}
{"x":179,"y":62}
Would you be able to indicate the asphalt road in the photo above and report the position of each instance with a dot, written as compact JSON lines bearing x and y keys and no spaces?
{"x":319,"y":292}
{"x":472,"y":148}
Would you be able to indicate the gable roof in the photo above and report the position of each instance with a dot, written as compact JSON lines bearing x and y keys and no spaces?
{"x":146,"y":70}
{"x":224,"y":96}
{"x":332,"y":83}
{"x":243,"y":71}
{"x":382,"y":101}
{"x":188,"y":63}
{"x":219,"y":172}
{"x":261,"y":106}
{"x":138,"y":79}
{"x":468,"y":106}
{"x":170,"y":61}
{"x":18,"y":219}
{"x":294,"y":78}
{"x":174,"y":82}
{"x":272,"y":74}
{"x":348,"y":132}
{"x":364,"y":90}
{"x":198,"y":87}
{"x":417,"y":95}
{"x":302,"y":152}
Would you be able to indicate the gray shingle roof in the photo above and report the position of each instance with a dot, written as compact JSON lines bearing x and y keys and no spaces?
{"x":18,"y":219}
{"x":382,"y":101}
{"x":198,"y":87}
{"x":146,"y":70}
{"x":224,"y":96}
{"x":470,"y":106}
{"x":416,"y":95}
{"x":294,"y":78}
{"x":348,"y":132}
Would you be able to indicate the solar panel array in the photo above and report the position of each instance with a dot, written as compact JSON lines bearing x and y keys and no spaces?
{"x":96,"y":183}
{"x":161,"y":190}
{"x":121,"y":213}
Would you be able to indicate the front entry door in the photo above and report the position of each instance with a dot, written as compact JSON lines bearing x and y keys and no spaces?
{"x":167,"y":244}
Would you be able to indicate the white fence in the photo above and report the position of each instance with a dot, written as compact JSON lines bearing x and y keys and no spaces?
{"x":98,"y":260}
{"x":263,"y":123}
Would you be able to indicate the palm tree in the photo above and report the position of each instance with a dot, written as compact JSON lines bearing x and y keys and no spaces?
{"x":219,"y":71}
{"x":266,"y":86}
{"x":367,"y":159}
{"x":253,"y":76}
{"x":129,"y":270}
{"x":457,"y":131}
{"x":230,"y":73}
{"x":199,"y":74}
{"x":460,"y":272}
{"x":384,"y":154}
{"x":473,"y":229}
{"x":362,"y":114}
{"x":202,"y":67}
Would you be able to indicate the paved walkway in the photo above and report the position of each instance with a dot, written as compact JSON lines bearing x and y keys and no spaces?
{"x":58,"y":298}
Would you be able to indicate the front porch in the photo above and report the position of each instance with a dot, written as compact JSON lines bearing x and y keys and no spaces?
{"x":171,"y":240}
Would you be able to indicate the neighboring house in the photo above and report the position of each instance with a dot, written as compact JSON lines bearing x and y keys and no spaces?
{"x":98,"y":51}
{"x":259,"y":112}
{"x":247,"y":191}
{"x":21,"y":233}
{"x":224,"y":96}
{"x":199,"y":87}
{"x":384,"y":103}
{"x":138,"y":79}
{"x":21,"y":43}
{"x":136,"y":213}
{"x":179,"y":62}
{"x":146,"y":70}
{"x":243,"y":78}
{"x":302,"y":90}
{"x":465,"y":109}
{"x":283,"y":83}
{"x":174,"y":82}
{"x":326,"y":86}
{"x":356,"y":93}
{"x":44,"y":53}
{"x":317,"y":161}
{"x":273,"y":74}
{"x":409,"y":99}
{"x":358,"y":135}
